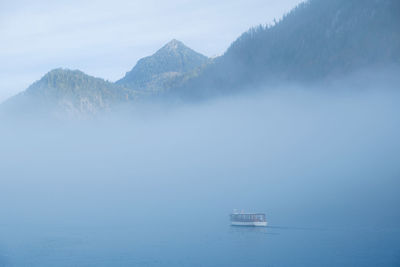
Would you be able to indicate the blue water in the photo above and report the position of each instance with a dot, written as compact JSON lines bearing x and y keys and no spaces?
{"x":158,"y":191}
{"x":196,"y":244}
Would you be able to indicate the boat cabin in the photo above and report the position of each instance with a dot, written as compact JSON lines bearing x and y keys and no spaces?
{"x":248,"y":217}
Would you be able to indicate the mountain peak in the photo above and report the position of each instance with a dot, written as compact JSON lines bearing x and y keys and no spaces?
{"x":174,"y":45}
{"x":61,"y":76}
{"x":61,"y":72}
{"x":174,"y":58}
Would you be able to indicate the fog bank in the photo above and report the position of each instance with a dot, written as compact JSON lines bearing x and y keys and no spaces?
{"x":308,"y":159}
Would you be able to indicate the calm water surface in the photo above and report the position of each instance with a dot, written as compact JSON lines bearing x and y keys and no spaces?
{"x":150,"y":240}
{"x":158,"y":191}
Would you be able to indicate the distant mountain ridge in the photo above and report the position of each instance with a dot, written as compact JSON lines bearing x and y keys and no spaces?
{"x":317,"y":39}
{"x":69,"y":93}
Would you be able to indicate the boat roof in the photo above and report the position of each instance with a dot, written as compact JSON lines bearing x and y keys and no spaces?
{"x":247,"y":213}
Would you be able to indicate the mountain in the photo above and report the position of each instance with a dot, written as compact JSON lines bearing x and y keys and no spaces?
{"x":67,"y":93}
{"x":155,"y":73}
{"x":316,"y":40}
{"x":72,"y":93}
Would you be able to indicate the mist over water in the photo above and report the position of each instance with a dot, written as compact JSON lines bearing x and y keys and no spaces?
{"x":155,"y":188}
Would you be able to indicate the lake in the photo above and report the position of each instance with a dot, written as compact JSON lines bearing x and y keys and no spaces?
{"x":157,"y":190}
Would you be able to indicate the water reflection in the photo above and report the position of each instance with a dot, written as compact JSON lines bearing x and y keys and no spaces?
{"x":252,"y":230}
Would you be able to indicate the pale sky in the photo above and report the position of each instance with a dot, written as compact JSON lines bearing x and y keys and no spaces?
{"x":106,"y":38}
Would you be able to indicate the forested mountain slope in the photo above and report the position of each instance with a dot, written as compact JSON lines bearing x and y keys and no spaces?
{"x":317,"y":39}
{"x":67,"y":93}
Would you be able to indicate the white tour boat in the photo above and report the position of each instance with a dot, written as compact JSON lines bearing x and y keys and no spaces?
{"x":248,"y":219}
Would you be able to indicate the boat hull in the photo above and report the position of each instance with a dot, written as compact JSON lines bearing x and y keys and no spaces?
{"x":256,"y":224}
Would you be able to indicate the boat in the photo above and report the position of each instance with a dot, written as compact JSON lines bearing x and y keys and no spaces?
{"x":248,"y":219}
